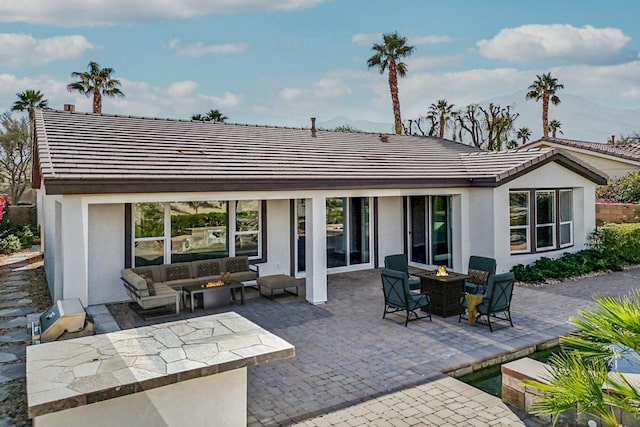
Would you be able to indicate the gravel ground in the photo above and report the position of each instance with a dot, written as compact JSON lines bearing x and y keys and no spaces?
{"x":13,"y":397}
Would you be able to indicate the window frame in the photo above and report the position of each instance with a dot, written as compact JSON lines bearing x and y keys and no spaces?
{"x":532,"y":240}
{"x":527,"y":227}
{"x":231,"y":232}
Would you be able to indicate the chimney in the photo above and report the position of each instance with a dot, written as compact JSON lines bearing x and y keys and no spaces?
{"x":313,"y":127}
{"x":69,"y":107}
{"x":383,"y":138}
{"x":613,"y":140}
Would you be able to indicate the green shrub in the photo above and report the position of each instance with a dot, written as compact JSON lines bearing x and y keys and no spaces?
{"x":10,"y":244}
{"x":610,"y":248}
{"x":625,"y":189}
{"x":26,"y":237}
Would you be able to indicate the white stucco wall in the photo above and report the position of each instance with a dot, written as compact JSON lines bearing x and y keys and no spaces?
{"x":612,"y":167}
{"x":480,"y":212}
{"x":278,"y":238}
{"x":390,"y":230}
{"x":106,"y":253}
{"x":549,"y":176}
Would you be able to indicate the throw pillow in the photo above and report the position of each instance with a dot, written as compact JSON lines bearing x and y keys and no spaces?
{"x":236,"y":264}
{"x":479,"y":277}
{"x":178,"y":272}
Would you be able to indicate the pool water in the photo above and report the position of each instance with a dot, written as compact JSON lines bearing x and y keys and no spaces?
{"x":489,"y":379}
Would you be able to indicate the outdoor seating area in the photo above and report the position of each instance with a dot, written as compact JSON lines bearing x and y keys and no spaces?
{"x":398,"y":296}
{"x":494,"y":303}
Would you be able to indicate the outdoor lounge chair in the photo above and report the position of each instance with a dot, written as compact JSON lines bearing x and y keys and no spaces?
{"x":398,"y":296}
{"x":496,"y":302}
{"x":480,"y":268}
{"x":399,"y":262}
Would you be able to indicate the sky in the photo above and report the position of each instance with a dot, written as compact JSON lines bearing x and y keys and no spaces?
{"x":280,"y":62}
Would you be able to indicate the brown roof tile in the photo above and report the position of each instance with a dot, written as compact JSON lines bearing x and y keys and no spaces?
{"x":103,"y":153}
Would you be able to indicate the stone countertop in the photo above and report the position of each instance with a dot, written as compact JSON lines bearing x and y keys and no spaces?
{"x":67,"y":374}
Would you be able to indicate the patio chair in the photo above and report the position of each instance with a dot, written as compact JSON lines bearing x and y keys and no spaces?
{"x":480,"y":268}
{"x":496,"y":302}
{"x":399,"y":262}
{"x":398,"y":296}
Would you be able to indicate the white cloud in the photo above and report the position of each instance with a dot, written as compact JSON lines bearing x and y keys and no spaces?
{"x":418,"y":40}
{"x":367,"y":39}
{"x":322,"y":89}
{"x":199,"y":49}
{"x":74,"y":13}
{"x":534,"y":43}
{"x":19,"y":49}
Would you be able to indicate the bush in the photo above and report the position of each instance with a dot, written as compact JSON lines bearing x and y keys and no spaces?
{"x":625,"y":189}
{"x":10,"y":244}
{"x":26,"y":237}
{"x":611,"y":248}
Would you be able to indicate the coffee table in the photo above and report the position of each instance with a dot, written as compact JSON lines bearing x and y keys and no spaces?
{"x":213,"y":296}
{"x":444,"y":291}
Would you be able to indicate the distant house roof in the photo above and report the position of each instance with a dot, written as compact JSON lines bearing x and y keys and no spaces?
{"x":81,"y":153}
{"x":626,"y":152}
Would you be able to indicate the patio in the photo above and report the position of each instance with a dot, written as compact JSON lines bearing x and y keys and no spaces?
{"x":346,"y":353}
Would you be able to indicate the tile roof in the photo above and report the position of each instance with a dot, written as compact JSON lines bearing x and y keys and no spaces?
{"x":89,"y":153}
{"x":628,"y":152}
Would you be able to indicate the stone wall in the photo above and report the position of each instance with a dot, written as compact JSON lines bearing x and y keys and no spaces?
{"x":23,"y":215}
{"x":617,"y":213}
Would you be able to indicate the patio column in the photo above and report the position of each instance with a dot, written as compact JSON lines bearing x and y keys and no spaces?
{"x":316,"y":249}
{"x":75,"y":219}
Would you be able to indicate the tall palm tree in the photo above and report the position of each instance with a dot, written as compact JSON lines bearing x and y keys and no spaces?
{"x":216,"y":116}
{"x":544,"y":88}
{"x":443,"y":112}
{"x":387,"y":56}
{"x":524,"y":134}
{"x":97,"y":82}
{"x":28,"y":100}
{"x":554,"y":127}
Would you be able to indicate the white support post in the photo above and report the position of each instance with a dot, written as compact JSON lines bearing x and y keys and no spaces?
{"x":75,"y":220}
{"x":316,"y":249}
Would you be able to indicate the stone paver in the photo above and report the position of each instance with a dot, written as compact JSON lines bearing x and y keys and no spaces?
{"x":347,"y":355}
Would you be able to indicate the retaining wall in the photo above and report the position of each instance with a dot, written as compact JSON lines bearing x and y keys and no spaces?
{"x":617,"y":213}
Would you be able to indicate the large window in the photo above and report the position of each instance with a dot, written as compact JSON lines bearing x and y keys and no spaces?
{"x":186,"y":231}
{"x":547,"y":215}
{"x":348,"y":231}
{"x":429,"y":230}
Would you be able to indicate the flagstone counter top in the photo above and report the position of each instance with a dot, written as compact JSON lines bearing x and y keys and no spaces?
{"x":68,"y":374}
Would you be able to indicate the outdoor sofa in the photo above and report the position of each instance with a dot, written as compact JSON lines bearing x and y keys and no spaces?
{"x":155,"y":286}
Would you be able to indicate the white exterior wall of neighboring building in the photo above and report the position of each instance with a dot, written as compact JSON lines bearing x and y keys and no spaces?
{"x":549,"y":176}
{"x":610,"y":165}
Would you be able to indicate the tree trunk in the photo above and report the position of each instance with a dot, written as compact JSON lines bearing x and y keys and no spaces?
{"x":395,"y":100}
{"x":97,"y":101}
{"x":545,"y":115}
{"x":442,"y":124}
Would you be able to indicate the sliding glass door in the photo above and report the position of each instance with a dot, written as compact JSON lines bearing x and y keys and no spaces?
{"x":348,"y":229}
{"x":429,"y":230}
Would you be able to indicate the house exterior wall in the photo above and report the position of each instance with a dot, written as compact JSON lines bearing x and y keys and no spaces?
{"x":84,"y":235}
{"x":613,"y":168}
{"x":390,"y":227}
{"x":549,"y":176}
{"x":106,"y":253}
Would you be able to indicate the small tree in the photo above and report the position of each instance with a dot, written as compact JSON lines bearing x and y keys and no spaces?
{"x":346,"y":128}
{"x":15,"y":155}
{"x":215,"y":116}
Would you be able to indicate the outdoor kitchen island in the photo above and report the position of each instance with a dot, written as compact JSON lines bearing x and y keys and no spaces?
{"x":190,"y":371}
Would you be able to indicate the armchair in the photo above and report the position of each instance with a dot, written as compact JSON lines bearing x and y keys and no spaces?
{"x":398,"y":296}
{"x":399,"y":262}
{"x":479,"y":271}
{"x":496,"y":301}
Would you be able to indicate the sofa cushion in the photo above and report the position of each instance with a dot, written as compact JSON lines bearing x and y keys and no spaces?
{"x":207,"y":267}
{"x":177,"y":271}
{"x":236,"y":264}
{"x":152,"y":271}
{"x":136,"y":281}
{"x":244,"y":276}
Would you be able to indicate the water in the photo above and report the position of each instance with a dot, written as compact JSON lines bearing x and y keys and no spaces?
{"x":489,"y":379}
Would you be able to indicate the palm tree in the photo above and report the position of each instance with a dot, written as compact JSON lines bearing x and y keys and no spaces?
{"x":545,"y":88}
{"x":608,"y":333}
{"x":387,"y":55}
{"x":28,"y":100}
{"x":443,"y":112}
{"x":97,"y":82}
{"x":524,"y":134}
{"x":554,"y":126}
{"x":199,"y":117}
{"x":215,"y":116}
